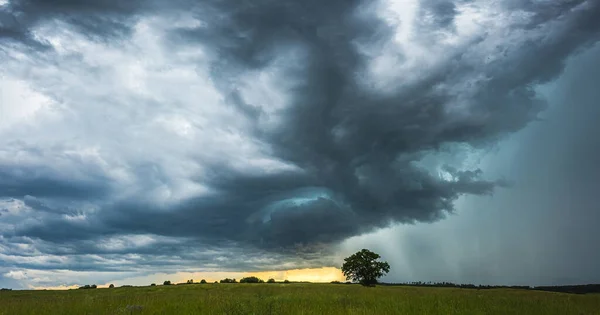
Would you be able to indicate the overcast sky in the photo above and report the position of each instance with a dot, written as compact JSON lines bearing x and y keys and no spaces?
{"x":457,"y":138}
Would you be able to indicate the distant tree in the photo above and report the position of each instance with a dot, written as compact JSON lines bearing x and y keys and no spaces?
{"x":286,"y":281}
{"x":191,"y":281}
{"x":271,"y":280}
{"x":167,"y":282}
{"x":364,"y":267}
{"x":153,"y":285}
{"x":111,"y":286}
{"x":227,"y":280}
{"x":203,"y":281}
{"x":216,"y":282}
{"x":251,"y":279}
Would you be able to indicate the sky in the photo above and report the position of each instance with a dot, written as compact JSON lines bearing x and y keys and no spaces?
{"x":143,"y":141}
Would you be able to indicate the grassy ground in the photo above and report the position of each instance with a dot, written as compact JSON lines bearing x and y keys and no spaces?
{"x":294,"y":299}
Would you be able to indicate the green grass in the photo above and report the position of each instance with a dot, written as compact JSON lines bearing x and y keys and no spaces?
{"x":295,"y":299}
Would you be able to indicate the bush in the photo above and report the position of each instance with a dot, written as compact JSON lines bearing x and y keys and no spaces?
{"x":111,"y":286}
{"x":271,"y":280}
{"x":203,"y":281}
{"x":251,"y":279}
{"x":153,"y":285}
{"x":87,"y":286}
{"x":167,"y":282}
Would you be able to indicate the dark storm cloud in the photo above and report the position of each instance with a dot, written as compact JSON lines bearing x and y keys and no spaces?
{"x":355,"y":149}
{"x":9,"y":26}
{"x":18,"y":180}
{"x":359,"y":145}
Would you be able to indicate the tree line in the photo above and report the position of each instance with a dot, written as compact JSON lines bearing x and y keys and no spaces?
{"x":251,"y":279}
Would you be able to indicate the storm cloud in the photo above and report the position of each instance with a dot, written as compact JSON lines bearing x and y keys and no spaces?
{"x":261,"y":131}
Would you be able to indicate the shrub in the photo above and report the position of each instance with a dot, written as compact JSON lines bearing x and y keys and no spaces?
{"x":271,"y":280}
{"x":167,"y":282}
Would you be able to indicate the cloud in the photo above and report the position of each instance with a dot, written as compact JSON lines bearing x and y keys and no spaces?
{"x":269,"y":128}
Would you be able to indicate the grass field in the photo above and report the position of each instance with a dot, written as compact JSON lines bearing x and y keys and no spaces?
{"x":294,"y":299}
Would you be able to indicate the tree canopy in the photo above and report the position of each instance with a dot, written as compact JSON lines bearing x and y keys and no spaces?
{"x":364,"y":267}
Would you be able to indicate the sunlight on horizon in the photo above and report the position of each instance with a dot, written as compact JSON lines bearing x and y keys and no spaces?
{"x":323,"y":274}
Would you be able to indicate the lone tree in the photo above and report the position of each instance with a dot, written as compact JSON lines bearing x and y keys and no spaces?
{"x":364,"y":268}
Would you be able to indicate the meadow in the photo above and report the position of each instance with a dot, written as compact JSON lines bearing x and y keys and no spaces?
{"x":294,"y":298}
